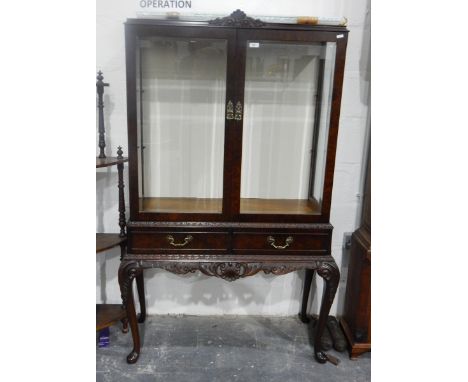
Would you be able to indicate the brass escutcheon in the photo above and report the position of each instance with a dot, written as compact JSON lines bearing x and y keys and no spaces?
{"x":230,"y":110}
{"x":238,"y":115}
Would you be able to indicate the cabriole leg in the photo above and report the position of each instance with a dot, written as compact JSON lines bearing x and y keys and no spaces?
{"x":141,"y":296}
{"x":331,"y":275}
{"x":124,"y":325}
{"x":127,"y":272}
{"x":309,"y":274}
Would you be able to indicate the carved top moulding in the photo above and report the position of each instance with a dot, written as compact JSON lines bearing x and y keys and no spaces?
{"x":199,"y":258}
{"x":236,"y":19}
{"x":227,"y":225}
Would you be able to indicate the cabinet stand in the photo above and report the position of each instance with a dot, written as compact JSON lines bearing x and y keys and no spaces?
{"x":228,"y":268}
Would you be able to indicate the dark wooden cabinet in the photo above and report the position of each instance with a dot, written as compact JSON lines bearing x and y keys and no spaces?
{"x":232,"y":130}
{"x":356,"y":320}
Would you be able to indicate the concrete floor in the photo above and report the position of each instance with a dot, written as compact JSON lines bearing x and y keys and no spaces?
{"x":246,"y":348}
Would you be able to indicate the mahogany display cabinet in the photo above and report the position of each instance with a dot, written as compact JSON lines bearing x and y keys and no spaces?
{"x":232,"y":130}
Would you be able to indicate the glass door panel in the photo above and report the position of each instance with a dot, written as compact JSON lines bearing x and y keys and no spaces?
{"x":181,"y":96}
{"x":287,"y":103}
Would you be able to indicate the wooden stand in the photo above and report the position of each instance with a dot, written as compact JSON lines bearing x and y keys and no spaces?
{"x":110,"y":314}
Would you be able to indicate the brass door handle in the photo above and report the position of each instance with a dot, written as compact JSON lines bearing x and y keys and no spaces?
{"x":230,"y":110}
{"x":171,"y":240}
{"x":271,"y":241}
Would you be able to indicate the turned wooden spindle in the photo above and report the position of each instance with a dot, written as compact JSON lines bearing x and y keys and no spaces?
{"x":120,"y":167}
{"x":100,"y":84}
{"x":119,"y":152}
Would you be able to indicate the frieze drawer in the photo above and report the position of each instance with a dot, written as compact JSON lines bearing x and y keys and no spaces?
{"x":280,"y":242}
{"x":178,"y":242}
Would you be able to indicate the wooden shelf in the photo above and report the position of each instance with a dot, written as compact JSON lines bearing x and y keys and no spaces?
{"x":279,"y":206}
{"x":106,"y":241}
{"x":109,"y":161}
{"x":108,"y":315}
{"x":189,"y":205}
{"x":247,"y":206}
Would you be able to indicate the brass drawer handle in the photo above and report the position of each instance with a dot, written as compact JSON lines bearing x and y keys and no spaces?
{"x":187,"y":240}
{"x":271,"y":241}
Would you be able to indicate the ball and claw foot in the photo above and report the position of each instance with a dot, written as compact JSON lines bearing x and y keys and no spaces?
{"x":141,"y":318}
{"x":321,"y":357}
{"x":304,"y":318}
{"x":133,"y":357}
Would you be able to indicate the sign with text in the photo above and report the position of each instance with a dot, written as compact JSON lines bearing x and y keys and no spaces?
{"x":194,"y":7}
{"x":173,"y":8}
{"x":164,"y":5}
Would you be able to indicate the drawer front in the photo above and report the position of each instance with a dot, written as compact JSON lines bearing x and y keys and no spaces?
{"x":280,"y":242}
{"x":178,"y":241}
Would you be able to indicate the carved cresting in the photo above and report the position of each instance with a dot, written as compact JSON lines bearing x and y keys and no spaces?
{"x":237,"y":19}
{"x":229,"y":271}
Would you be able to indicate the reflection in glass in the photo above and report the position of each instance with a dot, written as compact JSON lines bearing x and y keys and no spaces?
{"x":287,"y":101}
{"x":181,"y":97}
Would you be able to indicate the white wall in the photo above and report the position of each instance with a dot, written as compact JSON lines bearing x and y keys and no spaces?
{"x":261,"y":294}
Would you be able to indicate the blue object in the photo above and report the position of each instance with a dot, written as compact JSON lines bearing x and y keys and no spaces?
{"x":103,"y":340}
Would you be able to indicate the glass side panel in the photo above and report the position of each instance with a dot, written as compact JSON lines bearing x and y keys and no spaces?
{"x":181,"y":100}
{"x":287,"y":103}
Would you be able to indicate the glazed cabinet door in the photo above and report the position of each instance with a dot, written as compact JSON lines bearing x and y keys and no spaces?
{"x":179,"y":108}
{"x":288,"y":85}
